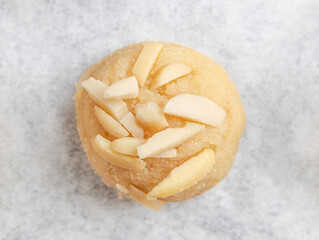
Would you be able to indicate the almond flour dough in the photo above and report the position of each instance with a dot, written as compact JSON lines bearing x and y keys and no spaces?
{"x":207,"y":79}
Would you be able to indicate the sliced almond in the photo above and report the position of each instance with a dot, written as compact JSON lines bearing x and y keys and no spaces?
{"x":102,"y":147}
{"x":132,"y":126}
{"x":145,"y":61}
{"x":186,"y":175}
{"x":167,"y":154}
{"x":126,"y":88}
{"x":170,"y":73}
{"x":121,"y":188}
{"x":110,"y":124}
{"x":150,"y":116}
{"x":127,"y":145}
{"x":95,"y":89}
{"x":196,"y":108}
{"x":140,"y":197}
{"x":168,"y":139}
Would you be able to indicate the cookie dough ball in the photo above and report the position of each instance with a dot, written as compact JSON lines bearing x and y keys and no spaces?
{"x":159,"y":122}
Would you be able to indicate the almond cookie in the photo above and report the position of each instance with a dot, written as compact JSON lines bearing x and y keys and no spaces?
{"x":159,"y":122}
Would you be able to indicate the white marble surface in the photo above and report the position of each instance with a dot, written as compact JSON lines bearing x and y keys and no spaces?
{"x":269,"y":48}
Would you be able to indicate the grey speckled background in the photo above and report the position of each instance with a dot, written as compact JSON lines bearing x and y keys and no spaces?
{"x":269,"y":48}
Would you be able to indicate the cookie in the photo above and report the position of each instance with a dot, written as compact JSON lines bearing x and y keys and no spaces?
{"x":159,"y":122}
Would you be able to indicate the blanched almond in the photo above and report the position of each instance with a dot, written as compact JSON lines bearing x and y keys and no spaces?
{"x":102,"y":147}
{"x":150,"y":116}
{"x":145,"y":61}
{"x":127,"y":145}
{"x":95,"y":89}
{"x":170,"y":73}
{"x":132,"y":126}
{"x":126,"y":88}
{"x":186,"y":175}
{"x":168,"y":139}
{"x":140,"y":197}
{"x":196,"y":108}
{"x":121,"y":188}
{"x":110,"y":124}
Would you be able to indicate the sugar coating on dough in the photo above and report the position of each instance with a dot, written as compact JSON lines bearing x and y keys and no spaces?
{"x":207,"y":79}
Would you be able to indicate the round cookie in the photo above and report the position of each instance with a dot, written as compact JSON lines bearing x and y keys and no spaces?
{"x":207,"y":79}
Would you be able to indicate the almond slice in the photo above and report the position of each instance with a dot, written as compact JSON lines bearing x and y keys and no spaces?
{"x":120,"y":188}
{"x":126,"y":88}
{"x":186,"y":175}
{"x":145,"y":61}
{"x":102,"y":147}
{"x":95,"y":89}
{"x":167,"y":154}
{"x":110,"y":124}
{"x":196,"y":108}
{"x":150,"y":115}
{"x":127,"y":145}
{"x":132,"y":126}
{"x":170,"y":73}
{"x":140,"y":197}
{"x":168,"y":139}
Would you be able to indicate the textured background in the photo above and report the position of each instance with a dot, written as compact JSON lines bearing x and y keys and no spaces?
{"x":269,"y":48}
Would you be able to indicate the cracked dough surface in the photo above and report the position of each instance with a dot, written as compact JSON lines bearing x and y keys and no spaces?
{"x":207,"y":79}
